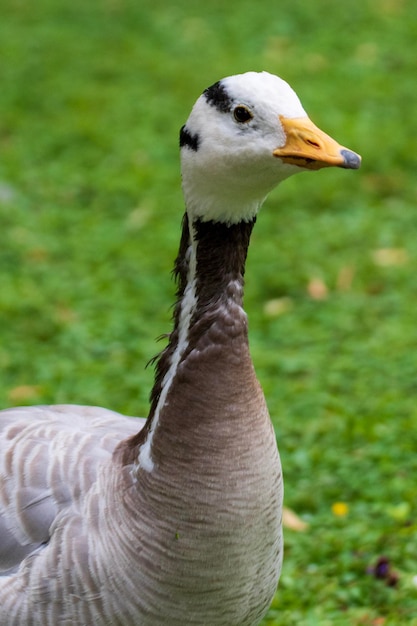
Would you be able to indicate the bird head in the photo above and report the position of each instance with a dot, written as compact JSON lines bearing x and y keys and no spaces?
{"x":245,"y":134}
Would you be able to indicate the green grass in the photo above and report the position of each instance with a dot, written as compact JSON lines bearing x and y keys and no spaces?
{"x":91,"y":99}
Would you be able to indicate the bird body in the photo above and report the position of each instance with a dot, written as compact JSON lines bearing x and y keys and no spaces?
{"x":109,"y":520}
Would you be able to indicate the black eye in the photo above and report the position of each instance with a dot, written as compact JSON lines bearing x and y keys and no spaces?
{"x":242,"y":114}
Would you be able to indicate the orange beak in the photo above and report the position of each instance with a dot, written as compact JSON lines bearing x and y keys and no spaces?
{"x":309,"y":147}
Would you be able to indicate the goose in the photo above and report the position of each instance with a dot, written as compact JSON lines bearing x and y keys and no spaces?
{"x":176,"y":519}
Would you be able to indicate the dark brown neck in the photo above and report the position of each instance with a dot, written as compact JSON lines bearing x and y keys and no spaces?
{"x":221,"y":252}
{"x":221,"y":258}
{"x":209,"y":271}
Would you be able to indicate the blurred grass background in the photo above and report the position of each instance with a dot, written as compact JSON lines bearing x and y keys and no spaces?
{"x":91,"y":99}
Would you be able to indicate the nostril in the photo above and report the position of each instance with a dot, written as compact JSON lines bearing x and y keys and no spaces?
{"x":310,"y":142}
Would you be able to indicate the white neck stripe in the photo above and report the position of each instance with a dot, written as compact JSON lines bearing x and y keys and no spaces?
{"x":188,"y":305}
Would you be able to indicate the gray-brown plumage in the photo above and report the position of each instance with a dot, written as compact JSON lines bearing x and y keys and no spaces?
{"x":112,"y":521}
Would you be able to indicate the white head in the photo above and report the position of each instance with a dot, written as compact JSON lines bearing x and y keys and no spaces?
{"x":244,"y":135}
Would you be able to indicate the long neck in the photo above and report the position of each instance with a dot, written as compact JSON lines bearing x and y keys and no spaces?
{"x":209,"y":270}
{"x":210,"y":325}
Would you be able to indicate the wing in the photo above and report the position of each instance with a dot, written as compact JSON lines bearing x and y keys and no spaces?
{"x":49,"y":457}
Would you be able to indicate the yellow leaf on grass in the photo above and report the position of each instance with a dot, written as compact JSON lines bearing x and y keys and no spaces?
{"x":292,"y":521}
{"x":22,"y":393}
{"x":387,"y":257}
{"x":277,"y":306}
{"x":345,"y":278}
{"x":400,"y":512}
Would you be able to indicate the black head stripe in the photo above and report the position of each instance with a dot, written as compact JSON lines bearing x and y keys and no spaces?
{"x":217,"y":96}
{"x":188,"y":139}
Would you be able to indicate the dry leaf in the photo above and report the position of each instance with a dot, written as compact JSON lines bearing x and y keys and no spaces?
{"x":386,"y":257}
{"x":317,"y":289}
{"x":38,"y":255}
{"x":292,"y":521}
{"x":65,"y":315}
{"x":23,"y":393}
{"x":138,"y":217}
{"x":368,"y":620}
{"x":345,"y":278}
{"x":277,"y":306}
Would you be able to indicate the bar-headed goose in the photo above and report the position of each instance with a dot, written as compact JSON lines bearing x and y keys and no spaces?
{"x":109,"y":520}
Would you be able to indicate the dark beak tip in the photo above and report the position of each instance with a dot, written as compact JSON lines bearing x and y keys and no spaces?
{"x":352,"y":161}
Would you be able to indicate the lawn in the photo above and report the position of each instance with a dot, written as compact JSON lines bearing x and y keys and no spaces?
{"x":92,"y":95}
